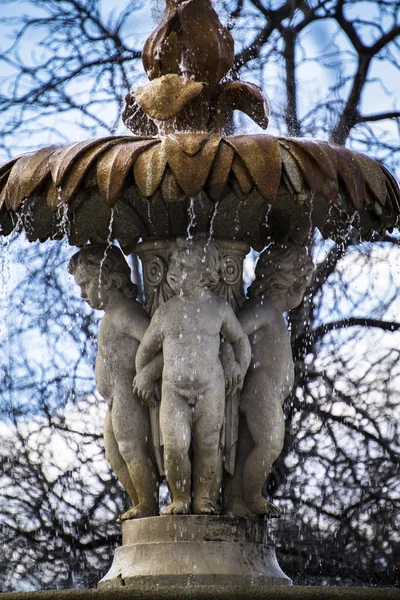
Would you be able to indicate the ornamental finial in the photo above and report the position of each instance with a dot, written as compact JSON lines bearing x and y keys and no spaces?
{"x":186,"y":58}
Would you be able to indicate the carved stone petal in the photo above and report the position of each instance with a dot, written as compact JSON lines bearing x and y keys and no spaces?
{"x":135,"y":119}
{"x":70,"y":182}
{"x":153,"y":47}
{"x":246,"y":97}
{"x":149,"y":169}
{"x":3,"y":181}
{"x":317,"y":168}
{"x":321,"y":153}
{"x":170,"y":189}
{"x":164,"y":97}
{"x":114,"y":166}
{"x":292,"y":171}
{"x":261,"y":155}
{"x":374,"y":177}
{"x":5,"y":170}
{"x":191,"y":143}
{"x":37,"y":170}
{"x":217,"y":182}
{"x":52,"y":197}
{"x":65,"y":157}
{"x":14,"y":194}
{"x":242,"y":175}
{"x":392,"y":204}
{"x":350,"y":177}
{"x":3,"y":199}
{"x":237,"y":190}
{"x":209,"y":45}
{"x":191,"y":172}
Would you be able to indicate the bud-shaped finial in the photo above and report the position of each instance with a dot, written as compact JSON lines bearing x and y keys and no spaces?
{"x":190,"y":41}
{"x":186,"y":58}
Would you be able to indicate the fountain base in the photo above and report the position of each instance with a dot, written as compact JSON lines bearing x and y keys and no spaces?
{"x":201,"y":551}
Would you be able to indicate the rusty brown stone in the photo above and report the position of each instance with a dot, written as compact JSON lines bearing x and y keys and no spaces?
{"x":217,"y":183}
{"x":245,"y":97}
{"x":190,"y":171}
{"x":163,"y":98}
{"x":73,"y":177}
{"x":171,"y":190}
{"x":113,"y":168}
{"x":149,"y":169}
{"x":261,"y":155}
{"x":180,"y":165}
{"x":14,"y":194}
{"x":52,"y":197}
{"x":189,"y":41}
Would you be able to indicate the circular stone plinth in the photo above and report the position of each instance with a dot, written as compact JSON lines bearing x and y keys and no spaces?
{"x":170,"y":551}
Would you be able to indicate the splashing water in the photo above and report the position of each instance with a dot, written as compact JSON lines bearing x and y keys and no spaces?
{"x":109,"y":244}
{"x":213,"y":217}
{"x":192,"y":219}
{"x":63,"y":225}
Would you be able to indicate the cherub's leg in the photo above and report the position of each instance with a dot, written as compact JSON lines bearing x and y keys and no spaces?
{"x":132,"y":431}
{"x":233,"y":495}
{"x":175,"y":424}
{"x":116,"y":461}
{"x":267,"y":428}
{"x":209,"y":415}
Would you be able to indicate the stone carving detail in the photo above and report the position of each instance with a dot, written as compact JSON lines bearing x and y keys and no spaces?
{"x":104,"y":278}
{"x":283,"y":273}
{"x":188,"y":328}
{"x":155,"y":256}
{"x":173,"y":383}
{"x":230,"y":286}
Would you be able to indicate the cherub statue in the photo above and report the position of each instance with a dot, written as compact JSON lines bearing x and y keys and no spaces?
{"x":103,"y":275}
{"x":283,"y":273}
{"x":188,"y":328}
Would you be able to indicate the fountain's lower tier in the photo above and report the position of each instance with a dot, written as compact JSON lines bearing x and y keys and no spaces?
{"x":176,"y":551}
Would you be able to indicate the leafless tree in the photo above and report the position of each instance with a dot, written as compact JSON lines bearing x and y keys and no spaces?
{"x":72,"y":62}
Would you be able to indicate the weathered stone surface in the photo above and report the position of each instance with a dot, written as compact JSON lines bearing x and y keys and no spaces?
{"x":300,"y":184}
{"x":188,"y":328}
{"x":181,"y":551}
{"x":235,"y":592}
{"x":104,"y":278}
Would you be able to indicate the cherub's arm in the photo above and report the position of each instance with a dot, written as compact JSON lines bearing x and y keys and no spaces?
{"x":232,"y":369}
{"x":232,"y":332}
{"x":149,"y":362}
{"x":145,"y":384}
{"x":137,"y":325}
{"x":251,"y":317}
{"x":151,"y":343}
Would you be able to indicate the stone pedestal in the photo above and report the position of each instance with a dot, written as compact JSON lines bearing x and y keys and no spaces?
{"x":174,"y":551}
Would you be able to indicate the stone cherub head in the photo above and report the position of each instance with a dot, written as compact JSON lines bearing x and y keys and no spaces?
{"x":102,"y":273}
{"x":194,"y":265}
{"x":283,"y":272}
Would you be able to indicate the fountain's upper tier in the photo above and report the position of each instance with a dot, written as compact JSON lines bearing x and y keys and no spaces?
{"x":249,"y":188}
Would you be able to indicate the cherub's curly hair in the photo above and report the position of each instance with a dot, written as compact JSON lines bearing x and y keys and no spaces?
{"x":206,"y":249}
{"x":94,"y":258}
{"x":282,"y":269}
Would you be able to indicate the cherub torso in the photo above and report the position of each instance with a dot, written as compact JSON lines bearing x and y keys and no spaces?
{"x":118,"y":341}
{"x":191,"y":341}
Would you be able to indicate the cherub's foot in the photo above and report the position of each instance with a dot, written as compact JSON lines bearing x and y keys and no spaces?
{"x":137,"y":512}
{"x":238,"y":508}
{"x":179,"y":507}
{"x":261,"y":507}
{"x":205,"y":507}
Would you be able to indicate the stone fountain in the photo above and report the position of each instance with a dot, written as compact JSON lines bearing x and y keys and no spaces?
{"x":195,"y":377}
